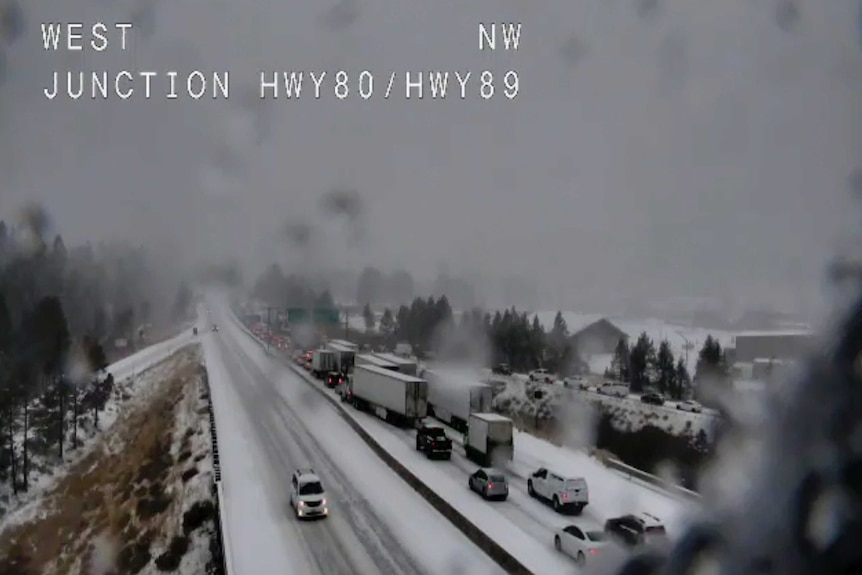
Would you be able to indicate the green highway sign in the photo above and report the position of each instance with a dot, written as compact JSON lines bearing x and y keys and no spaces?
{"x":319,"y":316}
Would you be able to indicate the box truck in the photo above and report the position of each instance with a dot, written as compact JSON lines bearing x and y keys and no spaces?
{"x":453,"y":396}
{"x":322,"y":363}
{"x":405,"y":365}
{"x":344,"y":356}
{"x":490,"y":440}
{"x":392,"y":396}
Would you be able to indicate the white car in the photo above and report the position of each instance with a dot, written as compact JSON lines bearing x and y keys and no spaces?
{"x":307,"y":496}
{"x":579,"y":544}
{"x":615,"y":390}
{"x":541,"y":375}
{"x":690,"y":405}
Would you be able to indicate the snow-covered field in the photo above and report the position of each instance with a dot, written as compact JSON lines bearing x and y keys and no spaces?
{"x":630,"y":413}
{"x":136,"y":496}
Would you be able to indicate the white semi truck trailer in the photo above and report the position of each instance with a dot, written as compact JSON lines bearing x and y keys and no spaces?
{"x":322,"y":362}
{"x":490,"y":439}
{"x":405,"y":365}
{"x":344,"y":356}
{"x":392,"y":396}
{"x":453,"y":396}
{"x":371,"y":359}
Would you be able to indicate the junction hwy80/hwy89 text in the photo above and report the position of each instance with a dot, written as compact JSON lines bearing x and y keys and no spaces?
{"x":365,"y":85}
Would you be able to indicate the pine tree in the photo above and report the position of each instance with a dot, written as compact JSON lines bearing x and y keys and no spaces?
{"x":560,"y":349}
{"x":537,"y":342}
{"x":368,"y":316}
{"x":560,"y":330}
{"x":666,"y":371}
{"x":324,"y":300}
{"x":639,"y":360}
{"x":621,"y":362}
{"x":711,"y":362}
{"x":683,"y":381}
{"x":387,"y":325}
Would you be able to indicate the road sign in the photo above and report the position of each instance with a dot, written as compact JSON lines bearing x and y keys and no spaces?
{"x":319,"y":316}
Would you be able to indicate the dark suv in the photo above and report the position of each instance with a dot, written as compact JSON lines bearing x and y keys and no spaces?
{"x":433,"y":442}
{"x":636,"y":530}
{"x":652,"y":399}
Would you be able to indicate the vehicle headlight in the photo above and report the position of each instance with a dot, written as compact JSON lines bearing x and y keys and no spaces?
{"x":323,"y":502}
{"x":301,"y":503}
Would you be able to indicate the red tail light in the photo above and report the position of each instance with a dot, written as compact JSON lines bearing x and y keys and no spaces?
{"x":490,"y":486}
{"x":593,"y":551}
{"x":565,"y":496}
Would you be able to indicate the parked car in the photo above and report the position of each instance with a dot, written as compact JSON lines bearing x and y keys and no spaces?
{"x":579,"y":544}
{"x":615,"y":390}
{"x":502,"y":369}
{"x":635,"y":530}
{"x":690,"y":405}
{"x":490,"y":484}
{"x":307,"y":496}
{"x":562,"y":492}
{"x":576,"y":382}
{"x":652,"y":399}
{"x":541,"y":375}
{"x":215,"y":327}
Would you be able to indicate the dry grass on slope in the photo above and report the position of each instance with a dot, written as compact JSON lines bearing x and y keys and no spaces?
{"x":120,"y":502}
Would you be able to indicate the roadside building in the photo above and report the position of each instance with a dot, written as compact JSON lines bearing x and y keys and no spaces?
{"x":772,"y":345}
{"x":600,"y":337}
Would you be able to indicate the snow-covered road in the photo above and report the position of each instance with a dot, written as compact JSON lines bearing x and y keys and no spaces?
{"x":269,"y":423}
{"x":523,"y":525}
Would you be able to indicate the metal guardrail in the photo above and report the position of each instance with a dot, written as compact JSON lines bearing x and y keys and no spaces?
{"x":224,"y":561}
{"x":671,"y":488}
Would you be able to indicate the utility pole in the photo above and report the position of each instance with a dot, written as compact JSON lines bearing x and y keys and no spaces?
{"x":687,"y":346}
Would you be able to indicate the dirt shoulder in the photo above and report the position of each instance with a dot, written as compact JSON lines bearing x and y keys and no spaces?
{"x":140,"y":500}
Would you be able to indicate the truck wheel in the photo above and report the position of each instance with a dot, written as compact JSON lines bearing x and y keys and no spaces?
{"x":530,"y":488}
{"x":417,"y":445}
{"x":557,"y":543}
{"x":556,"y":504}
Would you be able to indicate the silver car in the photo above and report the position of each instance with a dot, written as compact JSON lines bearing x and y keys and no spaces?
{"x":690,"y":405}
{"x":490,"y":484}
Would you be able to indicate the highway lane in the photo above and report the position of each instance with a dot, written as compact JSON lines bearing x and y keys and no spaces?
{"x":377,"y":522}
{"x":536,"y":520}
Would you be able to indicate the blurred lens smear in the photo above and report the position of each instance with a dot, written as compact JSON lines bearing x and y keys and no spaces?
{"x":656,"y":148}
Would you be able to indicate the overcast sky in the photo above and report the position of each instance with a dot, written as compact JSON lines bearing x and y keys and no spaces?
{"x":664,"y":147}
